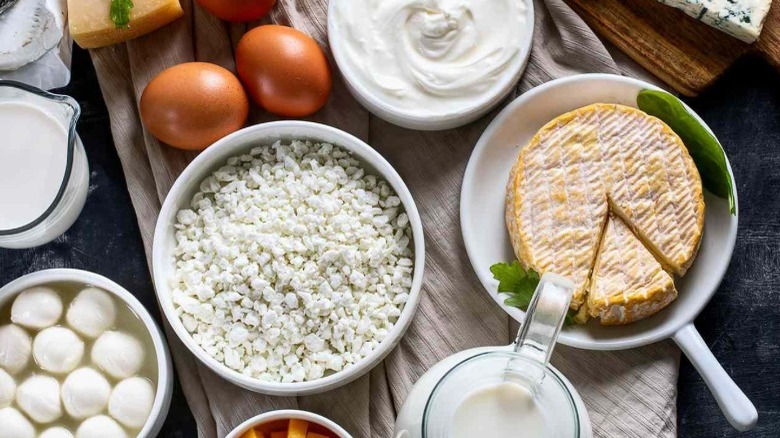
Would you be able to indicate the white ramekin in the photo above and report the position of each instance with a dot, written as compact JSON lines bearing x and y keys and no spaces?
{"x":162,"y":398}
{"x":241,"y":142}
{"x":285,"y":415}
{"x":407,"y":119}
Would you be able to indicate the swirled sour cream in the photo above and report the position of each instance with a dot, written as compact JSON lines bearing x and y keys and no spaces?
{"x":432,"y":57}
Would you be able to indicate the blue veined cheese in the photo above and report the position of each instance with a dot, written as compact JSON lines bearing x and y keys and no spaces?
{"x":742,"y":19}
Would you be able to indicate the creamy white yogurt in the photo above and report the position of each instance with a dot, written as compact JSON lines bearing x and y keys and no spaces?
{"x":432,"y":57}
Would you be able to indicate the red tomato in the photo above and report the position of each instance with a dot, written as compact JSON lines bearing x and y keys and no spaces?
{"x":238,"y":10}
{"x":284,"y":70}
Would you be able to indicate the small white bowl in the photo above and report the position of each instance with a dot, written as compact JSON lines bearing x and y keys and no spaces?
{"x":241,"y":142}
{"x":162,"y":398}
{"x":406,"y":119}
{"x":287,"y":414}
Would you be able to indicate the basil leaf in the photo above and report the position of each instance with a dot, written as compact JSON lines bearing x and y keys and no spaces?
{"x":120,"y":12}
{"x":704,"y":148}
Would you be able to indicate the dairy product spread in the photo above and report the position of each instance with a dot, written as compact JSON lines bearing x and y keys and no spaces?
{"x":432,"y":57}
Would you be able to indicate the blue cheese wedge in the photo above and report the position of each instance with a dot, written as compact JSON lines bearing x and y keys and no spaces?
{"x":742,"y":19}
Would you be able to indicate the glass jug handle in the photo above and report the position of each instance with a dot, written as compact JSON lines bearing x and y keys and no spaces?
{"x":544,"y":318}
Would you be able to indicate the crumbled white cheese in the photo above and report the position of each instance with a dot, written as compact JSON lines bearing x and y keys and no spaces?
{"x":291,"y":262}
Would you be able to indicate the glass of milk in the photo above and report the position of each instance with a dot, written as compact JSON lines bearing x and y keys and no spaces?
{"x":510,"y":393}
{"x":44,"y":174}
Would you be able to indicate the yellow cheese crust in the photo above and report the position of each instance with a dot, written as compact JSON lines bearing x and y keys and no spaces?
{"x":592,"y":160}
{"x":91,"y":26}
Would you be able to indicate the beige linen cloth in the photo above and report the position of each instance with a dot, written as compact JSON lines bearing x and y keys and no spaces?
{"x":628,"y":394}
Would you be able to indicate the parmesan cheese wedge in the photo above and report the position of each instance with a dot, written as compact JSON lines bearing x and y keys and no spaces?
{"x":91,"y":25}
{"x":588,"y":162}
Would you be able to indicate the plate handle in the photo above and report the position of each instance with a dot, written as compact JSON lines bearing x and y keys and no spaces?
{"x":737,"y":408}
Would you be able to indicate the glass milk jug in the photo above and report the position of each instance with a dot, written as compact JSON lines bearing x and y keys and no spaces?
{"x":502,"y":391}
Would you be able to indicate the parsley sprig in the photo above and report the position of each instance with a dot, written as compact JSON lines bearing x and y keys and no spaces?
{"x":520,"y":285}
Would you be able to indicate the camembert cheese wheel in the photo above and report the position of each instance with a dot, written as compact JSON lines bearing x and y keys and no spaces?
{"x":588,"y":162}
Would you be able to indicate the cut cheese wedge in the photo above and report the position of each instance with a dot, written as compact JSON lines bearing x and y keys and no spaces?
{"x":91,"y":26}
{"x":592,"y":160}
{"x":628,"y":284}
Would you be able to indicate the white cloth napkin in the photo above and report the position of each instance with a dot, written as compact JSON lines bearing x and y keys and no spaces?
{"x":628,"y":394}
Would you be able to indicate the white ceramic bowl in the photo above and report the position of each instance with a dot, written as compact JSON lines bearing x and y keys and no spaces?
{"x":214,"y":157}
{"x":404,"y":118}
{"x":487,"y":240}
{"x":162,"y":398}
{"x":288,"y":414}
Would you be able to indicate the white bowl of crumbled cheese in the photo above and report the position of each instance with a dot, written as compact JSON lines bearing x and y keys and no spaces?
{"x":289,"y":257}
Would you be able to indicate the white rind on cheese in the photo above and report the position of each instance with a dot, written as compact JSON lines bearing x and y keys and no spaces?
{"x":742,"y":19}
{"x":591,"y":161}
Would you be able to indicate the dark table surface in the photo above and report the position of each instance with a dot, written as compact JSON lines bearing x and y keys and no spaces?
{"x":740,"y":324}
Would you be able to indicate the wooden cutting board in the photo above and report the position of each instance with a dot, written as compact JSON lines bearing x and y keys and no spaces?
{"x":683,"y":52}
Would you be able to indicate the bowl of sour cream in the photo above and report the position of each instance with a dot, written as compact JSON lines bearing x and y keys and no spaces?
{"x":430,"y":64}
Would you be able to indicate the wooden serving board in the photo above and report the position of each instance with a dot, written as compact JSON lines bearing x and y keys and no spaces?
{"x":685,"y":53}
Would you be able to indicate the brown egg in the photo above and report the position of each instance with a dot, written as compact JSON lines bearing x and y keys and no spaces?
{"x":284,"y":70}
{"x":192,"y":105}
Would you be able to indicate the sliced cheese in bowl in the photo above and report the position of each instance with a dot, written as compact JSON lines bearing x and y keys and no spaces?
{"x":91,"y":25}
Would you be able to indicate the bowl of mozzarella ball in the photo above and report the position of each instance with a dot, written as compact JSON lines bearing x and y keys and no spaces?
{"x":288,"y":257}
{"x":80,"y":357}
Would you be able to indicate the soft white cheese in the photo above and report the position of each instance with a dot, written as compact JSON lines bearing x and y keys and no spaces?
{"x":291,"y":262}
{"x":742,"y":19}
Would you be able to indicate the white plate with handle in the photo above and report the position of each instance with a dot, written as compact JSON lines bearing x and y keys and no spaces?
{"x":487,"y":240}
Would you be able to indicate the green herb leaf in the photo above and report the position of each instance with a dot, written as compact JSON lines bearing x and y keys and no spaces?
{"x":120,"y":12}
{"x":520,"y":285}
{"x":704,"y":148}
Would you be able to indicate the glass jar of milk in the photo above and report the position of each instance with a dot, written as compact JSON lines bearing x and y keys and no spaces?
{"x":511,"y":392}
{"x":44,"y":174}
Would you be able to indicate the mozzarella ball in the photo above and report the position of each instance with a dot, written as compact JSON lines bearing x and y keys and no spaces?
{"x":58,"y":350}
{"x":118,"y":354}
{"x":56,"y":432}
{"x":37,"y":307}
{"x":100,"y":426}
{"x":39,"y":398}
{"x":7,"y":389}
{"x":15,"y":347}
{"x":131,"y":401}
{"x":85,"y":393}
{"x":92,"y":312}
{"x":15,"y":425}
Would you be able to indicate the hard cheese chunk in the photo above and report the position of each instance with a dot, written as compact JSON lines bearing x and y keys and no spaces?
{"x":252,"y":433}
{"x":91,"y":26}
{"x":297,"y":428}
{"x":742,"y":19}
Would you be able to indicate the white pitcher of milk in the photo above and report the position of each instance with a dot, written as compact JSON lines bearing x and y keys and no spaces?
{"x":44,"y":174}
{"x":502,"y":392}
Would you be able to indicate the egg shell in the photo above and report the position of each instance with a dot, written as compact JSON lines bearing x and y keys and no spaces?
{"x":15,"y":425}
{"x":39,"y":398}
{"x":56,"y":432}
{"x":92,"y":312}
{"x":15,"y":348}
{"x":284,"y":70}
{"x":118,"y":354}
{"x":194,"y":104}
{"x":7,"y":389}
{"x":37,"y":307}
{"x":85,"y":393}
{"x":58,"y":350}
{"x":131,"y":401}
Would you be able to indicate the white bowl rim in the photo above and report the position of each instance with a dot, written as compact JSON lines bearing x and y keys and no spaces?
{"x":365,"y":153}
{"x":164,"y":390}
{"x":283,"y":414}
{"x":668,"y":329}
{"x":403,"y":118}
